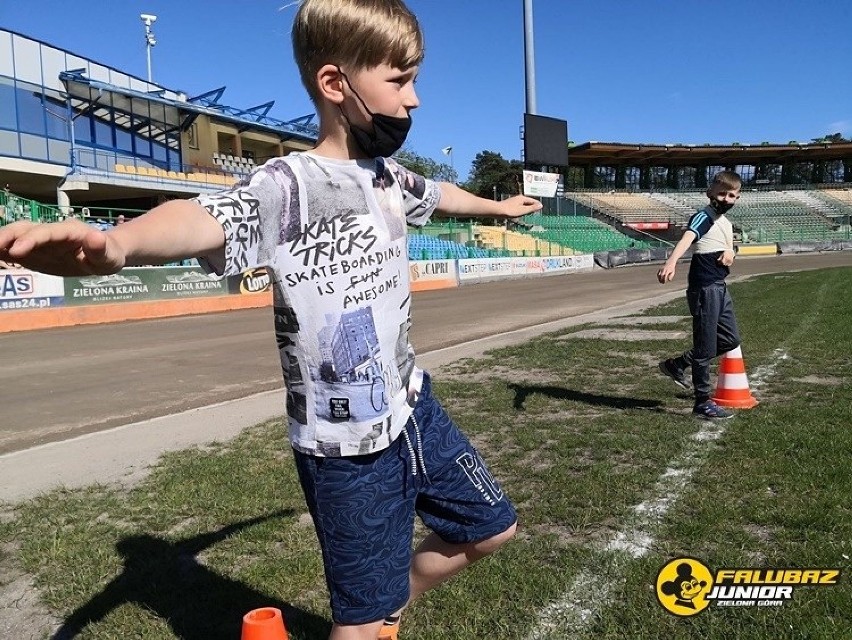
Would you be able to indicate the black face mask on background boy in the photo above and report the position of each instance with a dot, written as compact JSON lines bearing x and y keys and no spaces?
{"x":721,"y":207}
{"x":388,"y":134}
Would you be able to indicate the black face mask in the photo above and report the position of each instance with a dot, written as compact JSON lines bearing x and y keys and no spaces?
{"x":388,"y":134}
{"x":721,"y":207}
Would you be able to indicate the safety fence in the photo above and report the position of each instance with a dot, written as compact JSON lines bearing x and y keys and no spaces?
{"x":31,"y":300}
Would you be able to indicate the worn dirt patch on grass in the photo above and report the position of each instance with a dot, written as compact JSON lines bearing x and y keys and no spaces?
{"x":22,"y":614}
{"x":646,"y":320}
{"x":829,"y":381}
{"x":626,"y":335}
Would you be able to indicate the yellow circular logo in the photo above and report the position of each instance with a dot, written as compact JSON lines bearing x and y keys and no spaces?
{"x":255,"y":281}
{"x":682,"y":585}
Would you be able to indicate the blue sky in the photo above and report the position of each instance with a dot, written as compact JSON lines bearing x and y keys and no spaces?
{"x":650,"y":71}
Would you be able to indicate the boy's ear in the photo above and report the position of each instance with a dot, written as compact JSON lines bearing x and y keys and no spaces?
{"x":330,"y":83}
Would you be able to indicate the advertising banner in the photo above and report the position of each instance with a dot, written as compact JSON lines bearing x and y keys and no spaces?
{"x":22,"y":289}
{"x":471,"y":269}
{"x":251,"y":281}
{"x":584,"y":262}
{"x":519,"y":266}
{"x":558,"y":264}
{"x":648,"y":226}
{"x":481,"y":269}
{"x":432,"y":274}
{"x":535,"y":265}
{"x":143,"y":284}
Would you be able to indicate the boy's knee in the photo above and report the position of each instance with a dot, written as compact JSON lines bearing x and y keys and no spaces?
{"x":490,"y":545}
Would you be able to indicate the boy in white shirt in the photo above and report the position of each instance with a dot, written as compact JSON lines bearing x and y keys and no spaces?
{"x":372,"y":445}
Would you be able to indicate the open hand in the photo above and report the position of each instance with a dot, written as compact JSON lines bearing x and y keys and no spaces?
{"x":70,"y":248}
{"x":518,"y":206}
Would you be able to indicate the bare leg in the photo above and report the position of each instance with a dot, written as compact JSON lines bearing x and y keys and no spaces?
{"x":435,"y":561}
{"x":369,"y":631}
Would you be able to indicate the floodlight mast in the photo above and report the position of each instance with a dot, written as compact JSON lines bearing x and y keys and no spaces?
{"x":529,"y":57}
{"x":150,"y":40}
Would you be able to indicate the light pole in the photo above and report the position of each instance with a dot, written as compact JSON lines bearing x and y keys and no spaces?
{"x":448,"y":151}
{"x":150,"y":40}
{"x":68,"y":119}
{"x":529,"y":58}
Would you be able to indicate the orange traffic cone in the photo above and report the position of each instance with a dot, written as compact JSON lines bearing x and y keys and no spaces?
{"x":264,"y":624}
{"x":732,"y":387}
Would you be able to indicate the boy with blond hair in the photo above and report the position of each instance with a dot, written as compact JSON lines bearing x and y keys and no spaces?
{"x":371,"y":443}
{"x":714,"y":326}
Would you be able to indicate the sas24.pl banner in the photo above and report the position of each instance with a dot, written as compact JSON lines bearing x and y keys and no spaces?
{"x":21,"y":289}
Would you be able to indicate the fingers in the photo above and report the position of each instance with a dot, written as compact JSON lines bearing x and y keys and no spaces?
{"x":521,"y":206}
{"x":10,"y":233}
{"x":531,"y":203}
{"x":13,"y":241}
{"x":63,"y":249}
{"x":525,"y":203}
{"x":29,"y":237}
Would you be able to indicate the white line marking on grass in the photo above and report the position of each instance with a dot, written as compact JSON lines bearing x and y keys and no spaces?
{"x":569,"y":616}
{"x":764,"y":372}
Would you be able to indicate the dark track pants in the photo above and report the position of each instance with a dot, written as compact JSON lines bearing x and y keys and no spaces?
{"x":714,"y":332}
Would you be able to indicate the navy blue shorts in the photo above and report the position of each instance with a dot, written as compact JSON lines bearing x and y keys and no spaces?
{"x":363,"y":509}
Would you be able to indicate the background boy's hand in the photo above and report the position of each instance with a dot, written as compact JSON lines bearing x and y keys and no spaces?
{"x":666,"y":274}
{"x":518,"y":206}
{"x":70,"y":248}
{"x":727,"y":258}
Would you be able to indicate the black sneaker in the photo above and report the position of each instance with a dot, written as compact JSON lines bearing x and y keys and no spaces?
{"x":709,"y":410}
{"x":671,"y":370}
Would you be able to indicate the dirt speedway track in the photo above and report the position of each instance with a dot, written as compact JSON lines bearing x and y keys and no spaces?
{"x":59,"y":383}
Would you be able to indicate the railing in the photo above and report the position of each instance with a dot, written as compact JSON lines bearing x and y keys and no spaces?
{"x":116,"y":164}
{"x":14,"y":208}
{"x":761,"y":234}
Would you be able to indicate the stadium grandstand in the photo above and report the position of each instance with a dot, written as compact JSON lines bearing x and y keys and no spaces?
{"x":647,"y":192}
{"x":79,"y":133}
{"x":80,"y":138}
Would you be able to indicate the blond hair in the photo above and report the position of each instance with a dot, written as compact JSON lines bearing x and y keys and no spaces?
{"x":727,"y":180}
{"x":354,"y":35}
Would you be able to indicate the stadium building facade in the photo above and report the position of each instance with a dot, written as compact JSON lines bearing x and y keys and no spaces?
{"x":80,"y":133}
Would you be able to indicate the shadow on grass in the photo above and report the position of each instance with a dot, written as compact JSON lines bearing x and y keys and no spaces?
{"x":166,"y":579}
{"x":522,"y":392}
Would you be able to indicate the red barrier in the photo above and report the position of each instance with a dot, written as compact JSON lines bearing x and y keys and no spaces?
{"x":99,"y":314}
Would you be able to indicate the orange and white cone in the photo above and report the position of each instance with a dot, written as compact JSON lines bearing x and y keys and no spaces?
{"x":266,"y":623}
{"x":732,"y":389}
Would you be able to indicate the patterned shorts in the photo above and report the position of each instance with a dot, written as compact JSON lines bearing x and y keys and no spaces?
{"x":363,"y":509}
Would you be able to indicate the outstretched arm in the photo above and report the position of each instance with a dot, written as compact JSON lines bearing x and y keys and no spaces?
{"x":666,"y":274}
{"x":455,"y":201}
{"x":172,"y":231}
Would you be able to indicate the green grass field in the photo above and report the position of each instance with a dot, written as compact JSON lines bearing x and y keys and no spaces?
{"x":611,"y":475}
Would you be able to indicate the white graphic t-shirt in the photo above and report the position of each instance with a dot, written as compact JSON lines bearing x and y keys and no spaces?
{"x":333,"y":233}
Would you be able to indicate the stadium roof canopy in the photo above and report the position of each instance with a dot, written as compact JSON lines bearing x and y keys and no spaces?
{"x":621,"y":153}
{"x":85,"y":95}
